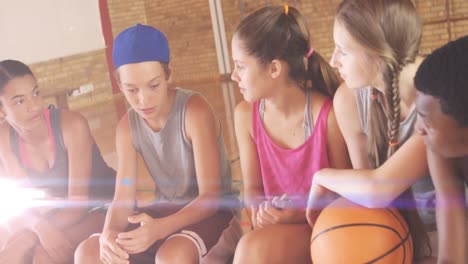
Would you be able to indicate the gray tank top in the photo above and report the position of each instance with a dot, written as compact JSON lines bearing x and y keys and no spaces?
{"x":168,"y":155}
{"x":423,"y":190}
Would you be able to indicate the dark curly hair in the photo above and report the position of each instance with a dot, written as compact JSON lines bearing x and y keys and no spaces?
{"x":444,"y":75}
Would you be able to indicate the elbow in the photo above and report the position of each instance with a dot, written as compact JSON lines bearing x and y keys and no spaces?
{"x":376,"y":203}
{"x":371,"y":201}
{"x":382,"y":191}
{"x":377,"y":196}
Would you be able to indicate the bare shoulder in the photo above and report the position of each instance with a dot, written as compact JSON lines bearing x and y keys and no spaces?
{"x":123,"y":128}
{"x":344,"y":104}
{"x":243,"y":111}
{"x":73,"y":122}
{"x":243,"y":116}
{"x":197,"y":105}
{"x":199,"y":114}
{"x":344,"y":97}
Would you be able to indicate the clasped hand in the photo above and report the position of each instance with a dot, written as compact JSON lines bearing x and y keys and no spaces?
{"x":276,"y":211}
{"x":116,"y":247}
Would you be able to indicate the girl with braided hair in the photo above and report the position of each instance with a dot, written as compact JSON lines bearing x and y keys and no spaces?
{"x":376,"y":48}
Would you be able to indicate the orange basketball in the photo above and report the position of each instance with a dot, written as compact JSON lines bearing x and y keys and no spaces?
{"x":348,"y":233}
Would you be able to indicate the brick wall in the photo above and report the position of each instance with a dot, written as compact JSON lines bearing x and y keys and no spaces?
{"x":459,"y":14}
{"x":59,"y":77}
{"x":187,"y":24}
{"x":443,"y":21}
{"x":194,"y":56}
{"x":320,"y":15}
{"x":125,"y":13}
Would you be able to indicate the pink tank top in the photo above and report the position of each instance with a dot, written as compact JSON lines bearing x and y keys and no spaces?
{"x":290,"y":171}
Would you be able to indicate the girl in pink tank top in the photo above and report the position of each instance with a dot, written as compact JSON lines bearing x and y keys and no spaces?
{"x":285,"y":128}
{"x":289,"y":170}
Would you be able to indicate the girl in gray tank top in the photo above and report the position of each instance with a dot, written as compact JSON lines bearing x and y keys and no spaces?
{"x":376,"y":45}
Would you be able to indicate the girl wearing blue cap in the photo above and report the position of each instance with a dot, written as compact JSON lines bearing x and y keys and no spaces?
{"x":50,"y":150}
{"x":180,"y":139}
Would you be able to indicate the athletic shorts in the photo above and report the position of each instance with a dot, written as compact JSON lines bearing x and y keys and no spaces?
{"x":215,"y":237}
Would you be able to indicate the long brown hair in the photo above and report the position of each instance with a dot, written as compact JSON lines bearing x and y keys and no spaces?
{"x":391,"y":31}
{"x":270,"y":33}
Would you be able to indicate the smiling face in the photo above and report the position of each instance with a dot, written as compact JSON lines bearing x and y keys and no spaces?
{"x":356,"y":66}
{"x":21,"y":104}
{"x":145,"y":86}
{"x":442,"y":133}
{"x":252,"y":77}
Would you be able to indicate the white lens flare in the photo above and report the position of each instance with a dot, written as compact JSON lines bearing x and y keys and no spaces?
{"x":15,"y":199}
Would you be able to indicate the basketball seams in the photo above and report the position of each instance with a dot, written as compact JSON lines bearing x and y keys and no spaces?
{"x":402,"y":243}
{"x":333,"y":223}
{"x":353,"y":225}
{"x":403,"y":240}
{"x":397,"y":218}
{"x":404,"y":228}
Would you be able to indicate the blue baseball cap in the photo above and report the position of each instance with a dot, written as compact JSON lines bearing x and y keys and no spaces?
{"x":140,"y":43}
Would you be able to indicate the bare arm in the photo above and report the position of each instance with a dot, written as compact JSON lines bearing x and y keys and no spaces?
{"x":125,"y":189}
{"x":250,"y":164}
{"x":78,"y":142}
{"x":451,"y":221}
{"x":203,"y":130}
{"x":379,"y":187}
{"x":365,"y":186}
{"x":347,"y":117}
{"x":49,"y":226}
{"x":13,"y":171}
{"x":124,"y":196}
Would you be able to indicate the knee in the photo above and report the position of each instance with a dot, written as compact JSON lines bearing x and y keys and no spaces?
{"x":250,"y":249}
{"x":88,"y":251}
{"x":165,"y":257}
{"x":184,"y":252}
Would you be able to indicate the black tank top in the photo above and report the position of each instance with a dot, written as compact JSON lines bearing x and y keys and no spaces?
{"x":55,"y":179}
